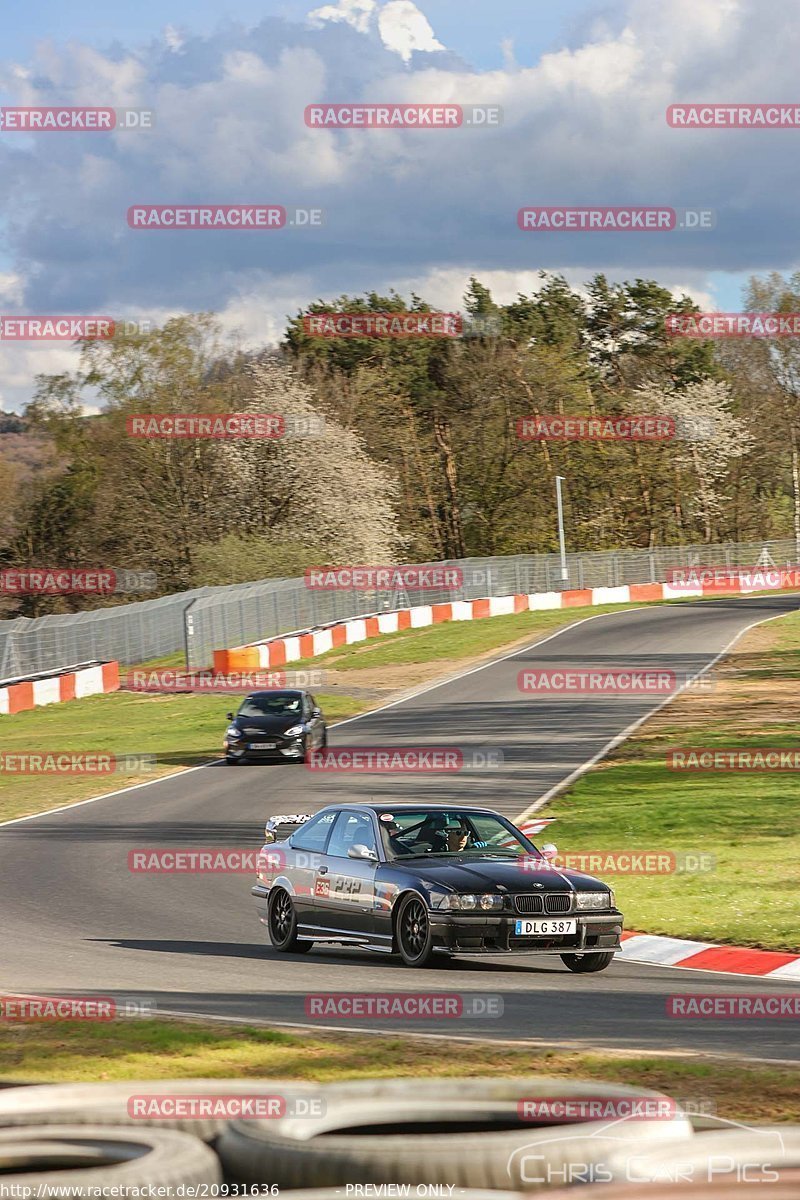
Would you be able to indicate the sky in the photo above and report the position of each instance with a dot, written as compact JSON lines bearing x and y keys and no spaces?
{"x":583,"y":86}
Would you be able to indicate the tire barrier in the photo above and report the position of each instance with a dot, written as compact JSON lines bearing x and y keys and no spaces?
{"x":464,"y":1132}
{"x":96,"y":1157}
{"x":116,"y":1103}
{"x":483,"y":1139}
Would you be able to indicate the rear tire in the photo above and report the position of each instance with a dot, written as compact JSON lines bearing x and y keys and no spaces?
{"x":413,"y":933}
{"x":282,"y":924}
{"x":584,"y":964}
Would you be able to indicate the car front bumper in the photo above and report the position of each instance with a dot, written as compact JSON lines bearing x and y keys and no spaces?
{"x":283,"y":751}
{"x":462,"y":933}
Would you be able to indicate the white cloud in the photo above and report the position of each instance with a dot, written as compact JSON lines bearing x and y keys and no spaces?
{"x":405,"y":29}
{"x":357,"y":13}
{"x":174,"y":38}
{"x":584,"y":125}
{"x":399,"y":23}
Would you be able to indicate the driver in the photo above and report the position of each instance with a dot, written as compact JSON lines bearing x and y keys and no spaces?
{"x":457,"y":836}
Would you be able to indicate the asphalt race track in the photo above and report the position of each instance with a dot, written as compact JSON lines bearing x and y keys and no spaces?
{"x":75,"y":920}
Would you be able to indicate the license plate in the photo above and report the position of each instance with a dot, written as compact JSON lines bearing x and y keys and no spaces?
{"x":544,"y":928}
{"x":263,"y":745}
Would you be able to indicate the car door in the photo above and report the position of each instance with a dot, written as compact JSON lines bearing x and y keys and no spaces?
{"x":307,"y":866}
{"x":350,"y":899}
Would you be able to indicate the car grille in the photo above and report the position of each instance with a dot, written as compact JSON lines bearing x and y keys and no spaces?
{"x":545,"y":902}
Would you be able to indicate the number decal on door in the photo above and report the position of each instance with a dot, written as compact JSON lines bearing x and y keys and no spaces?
{"x":347,"y":886}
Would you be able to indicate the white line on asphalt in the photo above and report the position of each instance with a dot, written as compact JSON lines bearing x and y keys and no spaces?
{"x":591,"y":1044}
{"x":626,"y":733}
{"x":537,"y":804}
{"x":359,"y":717}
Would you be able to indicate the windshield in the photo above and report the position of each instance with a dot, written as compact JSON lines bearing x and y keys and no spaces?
{"x":460,"y":831}
{"x":270,"y":706}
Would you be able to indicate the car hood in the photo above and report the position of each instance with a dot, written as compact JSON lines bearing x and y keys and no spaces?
{"x":268,"y":724}
{"x":486,"y":875}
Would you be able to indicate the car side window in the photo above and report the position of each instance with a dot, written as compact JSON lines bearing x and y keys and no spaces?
{"x":314,"y":833}
{"x":351,"y":829}
{"x":307,"y":707}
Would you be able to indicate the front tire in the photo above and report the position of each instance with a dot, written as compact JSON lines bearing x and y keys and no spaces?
{"x":414,"y":935}
{"x":583,"y":964}
{"x":282,"y":925}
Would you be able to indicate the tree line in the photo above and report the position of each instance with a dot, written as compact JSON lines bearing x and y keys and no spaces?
{"x":420,"y":458}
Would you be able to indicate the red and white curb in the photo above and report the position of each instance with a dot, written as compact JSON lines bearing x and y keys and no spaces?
{"x":308,"y":643}
{"x":21,"y":695}
{"x":707,"y":956}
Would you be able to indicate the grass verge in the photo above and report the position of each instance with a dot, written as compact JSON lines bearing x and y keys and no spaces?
{"x":149,"y":1049}
{"x":182,"y":730}
{"x":748,"y":822}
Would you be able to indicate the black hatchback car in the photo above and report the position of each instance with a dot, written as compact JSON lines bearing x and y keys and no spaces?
{"x":278,"y":725}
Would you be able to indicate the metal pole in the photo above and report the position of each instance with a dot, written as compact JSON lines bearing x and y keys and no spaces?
{"x":188,"y":634}
{"x":561,"y":542}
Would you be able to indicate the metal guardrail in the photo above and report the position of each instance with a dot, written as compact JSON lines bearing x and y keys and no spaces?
{"x":199,"y":621}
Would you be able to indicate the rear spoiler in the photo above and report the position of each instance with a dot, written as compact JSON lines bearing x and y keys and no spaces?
{"x":292,"y":819}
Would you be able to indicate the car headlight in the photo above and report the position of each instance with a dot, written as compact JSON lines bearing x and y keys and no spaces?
{"x":233,"y":733}
{"x":594,"y":900}
{"x":466,"y":903}
{"x":295,"y":731}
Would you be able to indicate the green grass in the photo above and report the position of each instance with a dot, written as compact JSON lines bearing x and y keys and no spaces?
{"x":150,"y":1049}
{"x":749,"y":822}
{"x":184,"y":730}
{"x":180,"y":730}
{"x":454,"y":640}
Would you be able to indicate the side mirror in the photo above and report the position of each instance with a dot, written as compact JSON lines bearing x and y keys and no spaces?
{"x":269,"y":835}
{"x":316,"y":712}
{"x":549,"y":850}
{"x":230,"y":716}
{"x":363,"y":852}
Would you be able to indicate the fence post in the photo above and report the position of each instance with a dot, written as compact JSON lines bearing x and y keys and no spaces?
{"x":188,"y":634}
